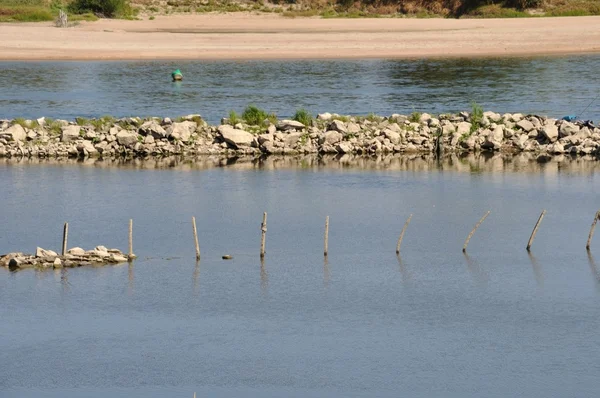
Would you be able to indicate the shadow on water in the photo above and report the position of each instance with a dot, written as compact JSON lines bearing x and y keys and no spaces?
{"x":594,"y":269}
{"x":537,"y":270}
{"x":479,"y":275}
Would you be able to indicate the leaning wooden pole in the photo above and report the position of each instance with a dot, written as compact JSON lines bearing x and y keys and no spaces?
{"x":263,"y":228}
{"x":402,"y":234}
{"x":196,"y":238}
{"x":65,"y":238}
{"x":131,"y":256}
{"x":589,"y":241}
{"x":473,"y":231}
{"x":326,"y":238}
{"x":535,"y":229}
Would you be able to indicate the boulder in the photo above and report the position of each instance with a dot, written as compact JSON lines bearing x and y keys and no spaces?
{"x":39,"y":252}
{"x":127,"y":138}
{"x":286,"y":125}
{"x":76,"y":251}
{"x":235,"y":137}
{"x":153,"y":128}
{"x":463,"y":128}
{"x":525,"y":125}
{"x":181,"y":131}
{"x":324,"y":116}
{"x":14,"y":133}
{"x":393,"y":136}
{"x":338,"y":125}
{"x":70,"y":133}
{"x":57,"y":263}
{"x":332,"y":137}
{"x":567,"y":128}
{"x":291,"y":139}
{"x":550,"y":131}
{"x":344,"y":147}
{"x":86,"y":148}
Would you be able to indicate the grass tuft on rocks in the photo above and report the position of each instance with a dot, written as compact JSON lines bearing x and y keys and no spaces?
{"x":303,"y":116}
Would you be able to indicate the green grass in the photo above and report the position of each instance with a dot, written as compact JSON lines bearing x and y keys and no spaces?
{"x":303,"y":116}
{"x":415,"y":117}
{"x":253,"y":115}
{"x":25,"y":11}
{"x":476,"y":116}
{"x":234,"y":118}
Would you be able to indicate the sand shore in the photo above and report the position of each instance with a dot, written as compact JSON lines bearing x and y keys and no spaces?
{"x":244,"y":36}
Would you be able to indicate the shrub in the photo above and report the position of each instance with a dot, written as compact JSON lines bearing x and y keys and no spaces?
{"x":106,"y":8}
{"x":233,"y":118}
{"x":415,"y":117}
{"x":303,"y":116}
{"x":254,"y":115}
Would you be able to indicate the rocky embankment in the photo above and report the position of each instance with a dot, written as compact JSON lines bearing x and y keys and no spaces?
{"x":74,"y":257}
{"x":331,"y":134}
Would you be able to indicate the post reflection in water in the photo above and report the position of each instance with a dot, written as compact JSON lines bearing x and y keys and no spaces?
{"x":130,"y":277}
{"x":594,"y":269}
{"x":64,"y":280}
{"x":264,"y":277}
{"x":406,"y":276}
{"x":537,"y":270}
{"x":196,"y":277}
{"x":479,"y":275}
{"x":326,"y":273}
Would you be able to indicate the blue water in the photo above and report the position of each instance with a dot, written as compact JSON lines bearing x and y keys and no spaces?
{"x":553,"y":86}
{"x":364,"y":323}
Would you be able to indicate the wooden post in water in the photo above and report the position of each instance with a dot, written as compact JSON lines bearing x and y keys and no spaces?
{"x":474,"y":229}
{"x":263,"y":228}
{"x":402,"y":234}
{"x":589,"y":241}
{"x":326,"y":238}
{"x":535,"y":229}
{"x":196,"y":238}
{"x":131,"y":256}
{"x":65,"y":238}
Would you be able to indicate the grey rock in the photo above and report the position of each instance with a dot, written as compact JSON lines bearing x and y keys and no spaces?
{"x":14,"y":133}
{"x":324,"y":116}
{"x":181,"y":131}
{"x":86,"y":148}
{"x":291,"y":139}
{"x":127,"y":138}
{"x":567,"y":128}
{"x":525,"y":125}
{"x":393,"y":136}
{"x":332,"y":137}
{"x":39,"y":252}
{"x":235,"y":137}
{"x":286,"y":125}
{"x":550,"y":131}
{"x":70,"y":133}
{"x":344,"y":147}
{"x":463,"y":128}
{"x":57,"y":263}
{"x":339,"y":126}
{"x":153,"y":128}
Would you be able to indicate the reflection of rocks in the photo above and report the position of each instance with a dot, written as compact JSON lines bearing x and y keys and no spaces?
{"x":328,"y":134}
{"x":75,"y":257}
{"x":482,"y":162}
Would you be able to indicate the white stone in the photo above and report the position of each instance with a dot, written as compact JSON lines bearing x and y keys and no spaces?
{"x":332,"y":137}
{"x":235,"y":137}
{"x":76,"y":251}
{"x":14,"y":133}
{"x":127,"y":138}
{"x":70,"y":133}
{"x":285,"y":125}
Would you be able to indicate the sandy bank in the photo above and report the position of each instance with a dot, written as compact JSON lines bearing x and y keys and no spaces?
{"x":239,"y":36}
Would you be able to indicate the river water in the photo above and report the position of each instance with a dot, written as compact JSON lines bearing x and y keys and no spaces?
{"x":553,"y":86}
{"x":434,"y":322}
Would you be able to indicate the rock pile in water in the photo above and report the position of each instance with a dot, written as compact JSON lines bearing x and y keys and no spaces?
{"x":328,"y":133}
{"x":75,"y":257}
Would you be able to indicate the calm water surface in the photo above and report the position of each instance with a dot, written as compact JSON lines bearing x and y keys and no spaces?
{"x":434,"y":323}
{"x":555,"y":86}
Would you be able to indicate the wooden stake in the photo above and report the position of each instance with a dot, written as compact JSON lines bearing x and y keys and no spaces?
{"x":402,"y":234}
{"x":65,"y":238}
{"x":326,"y":243}
{"x":263,"y":228}
{"x":131,"y":256}
{"x":535,"y":229}
{"x":474,"y":229}
{"x":196,"y":238}
{"x":589,"y":241}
